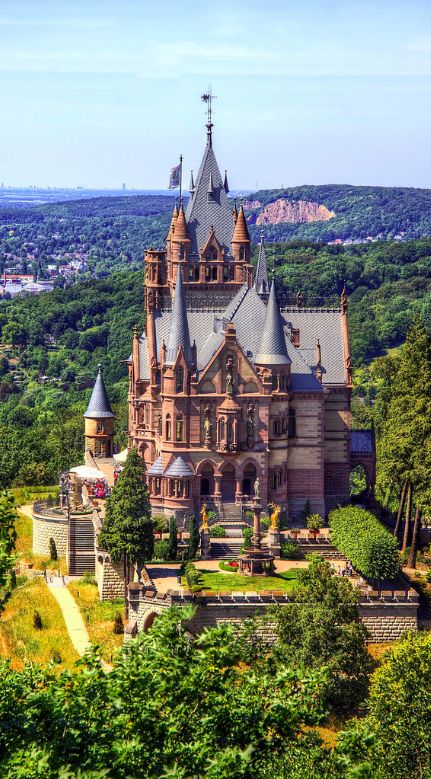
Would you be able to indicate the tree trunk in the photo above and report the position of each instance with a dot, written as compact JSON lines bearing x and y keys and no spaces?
{"x":414,"y":547}
{"x":400,"y":510}
{"x":126,"y":582}
{"x":408,"y":515}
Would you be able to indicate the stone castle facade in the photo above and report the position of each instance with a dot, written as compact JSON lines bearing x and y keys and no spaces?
{"x":229,"y":394}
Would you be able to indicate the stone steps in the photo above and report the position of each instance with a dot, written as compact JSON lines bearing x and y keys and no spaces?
{"x":222,"y":550}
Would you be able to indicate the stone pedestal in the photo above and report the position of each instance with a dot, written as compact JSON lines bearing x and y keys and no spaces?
{"x":256,"y":561}
{"x":205,"y":545}
{"x":274,"y":539}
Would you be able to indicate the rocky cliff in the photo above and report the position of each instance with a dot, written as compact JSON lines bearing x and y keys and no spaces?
{"x":293,"y":211}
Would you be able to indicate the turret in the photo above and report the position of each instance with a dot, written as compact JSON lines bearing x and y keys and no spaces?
{"x":272,"y":347}
{"x":99,"y":421}
{"x":179,"y":336}
{"x":261,"y":284}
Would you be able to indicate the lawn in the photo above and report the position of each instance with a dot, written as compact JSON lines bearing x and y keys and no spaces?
{"x":224,"y":582}
{"x":98,"y":616}
{"x":21,"y":641}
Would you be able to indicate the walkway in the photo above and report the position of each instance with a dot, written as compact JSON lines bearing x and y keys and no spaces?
{"x":71,"y":614}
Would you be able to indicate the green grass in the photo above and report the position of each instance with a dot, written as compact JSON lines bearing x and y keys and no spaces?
{"x":25,"y":495}
{"x":98,"y":616}
{"x":20,"y":641}
{"x":226,"y":582}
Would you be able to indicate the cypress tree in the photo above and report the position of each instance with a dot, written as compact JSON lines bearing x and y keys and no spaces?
{"x":173,"y":540}
{"x":194,"y":538}
{"x":128,"y":530}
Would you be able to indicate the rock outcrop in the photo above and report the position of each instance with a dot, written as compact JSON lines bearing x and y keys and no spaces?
{"x":294,"y":211}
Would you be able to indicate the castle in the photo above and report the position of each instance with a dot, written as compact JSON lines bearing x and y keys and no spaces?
{"x":231,"y":396}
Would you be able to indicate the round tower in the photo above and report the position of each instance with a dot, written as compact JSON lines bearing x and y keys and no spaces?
{"x":99,"y":421}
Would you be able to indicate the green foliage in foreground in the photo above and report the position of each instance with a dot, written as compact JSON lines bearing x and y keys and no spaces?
{"x":371,"y":549}
{"x":7,"y":546}
{"x":170,"y":707}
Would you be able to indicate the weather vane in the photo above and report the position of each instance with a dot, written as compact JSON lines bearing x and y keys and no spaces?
{"x":207,"y":98}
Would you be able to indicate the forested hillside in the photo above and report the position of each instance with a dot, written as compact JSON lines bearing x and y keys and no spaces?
{"x":360,"y":212}
{"x":59,"y":338}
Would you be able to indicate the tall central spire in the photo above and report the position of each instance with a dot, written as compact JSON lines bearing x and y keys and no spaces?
{"x":207,"y":98}
{"x":179,"y":335}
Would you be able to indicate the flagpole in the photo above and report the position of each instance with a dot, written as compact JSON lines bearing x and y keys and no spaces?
{"x":181,"y":176}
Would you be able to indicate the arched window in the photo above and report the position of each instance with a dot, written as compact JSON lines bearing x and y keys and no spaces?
{"x":100,"y":426}
{"x":274,"y":382}
{"x":221,"y":429}
{"x":179,"y":379}
{"x":229,"y":432}
{"x":273,"y":481}
{"x":291,"y":430}
{"x":168,"y":427}
{"x":179,"y":427}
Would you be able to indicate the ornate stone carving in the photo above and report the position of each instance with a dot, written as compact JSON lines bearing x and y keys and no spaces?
{"x":250,"y":425}
{"x":229,"y":375}
{"x":208,"y":425}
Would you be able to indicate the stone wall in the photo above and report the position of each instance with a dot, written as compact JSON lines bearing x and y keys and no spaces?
{"x":109,"y":578}
{"x":44,"y":528}
{"x":385,"y":620}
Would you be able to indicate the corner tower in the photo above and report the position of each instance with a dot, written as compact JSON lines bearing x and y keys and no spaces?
{"x":99,"y":421}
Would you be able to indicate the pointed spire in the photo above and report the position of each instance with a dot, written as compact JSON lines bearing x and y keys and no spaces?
{"x":181,"y":227}
{"x":344,"y":299}
{"x":261,"y":283}
{"x":210,"y":190}
{"x":235,"y":213}
{"x":99,"y":406}
{"x":318,"y":353}
{"x":241,"y":234}
{"x":192,"y":183}
{"x":225,"y":184}
{"x":179,"y":335}
{"x":272,"y":347}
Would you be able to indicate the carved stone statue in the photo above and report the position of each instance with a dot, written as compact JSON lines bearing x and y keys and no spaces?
{"x":299,"y":299}
{"x":257,"y":488}
{"x":229,"y":375}
{"x":208,"y":425}
{"x":64,"y":490}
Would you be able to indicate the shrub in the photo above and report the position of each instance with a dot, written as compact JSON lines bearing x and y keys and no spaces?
{"x":358,"y":535}
{"x":37,"y":621}
{"x":247,"y":533}
{"x":289,"y":551}
{"x":193,"y":577}
{"x":217,"y":531}
{"x":193,"y":537}
{"x":88,"y":578}
{"x":161,"y":550}
{"x":118,"y":628}
{"x":265,"y":522}
{"x":173,"y":540}
{"x":228,"y":565}
{"x":314,"y":522}
{"x":52,"y":549}
{"x":160,"y":524}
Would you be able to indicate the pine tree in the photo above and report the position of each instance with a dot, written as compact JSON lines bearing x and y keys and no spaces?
{"x":173,"y":540}
{"x":128,"y":530}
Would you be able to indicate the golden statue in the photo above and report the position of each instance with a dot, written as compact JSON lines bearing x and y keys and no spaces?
{"x":275,"y":516}
{"x":204,"y":515}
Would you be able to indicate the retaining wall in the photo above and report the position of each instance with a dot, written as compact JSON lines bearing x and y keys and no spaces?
{"x":44,"y":528}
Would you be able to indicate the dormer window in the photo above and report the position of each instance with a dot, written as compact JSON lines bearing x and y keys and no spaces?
{"x":211,"y":254}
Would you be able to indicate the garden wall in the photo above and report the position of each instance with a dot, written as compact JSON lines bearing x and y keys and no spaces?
{"x":46,"y":527}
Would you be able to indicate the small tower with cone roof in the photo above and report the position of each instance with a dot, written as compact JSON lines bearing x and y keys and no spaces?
{"x":99,"y":421}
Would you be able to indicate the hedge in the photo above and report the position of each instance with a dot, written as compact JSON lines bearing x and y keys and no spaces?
{"x":371,"y":549}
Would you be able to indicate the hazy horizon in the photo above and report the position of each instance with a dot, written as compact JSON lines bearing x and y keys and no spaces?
{"x":95,"y":95}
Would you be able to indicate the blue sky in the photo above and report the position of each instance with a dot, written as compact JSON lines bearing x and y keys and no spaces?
{"x":308,"y":91}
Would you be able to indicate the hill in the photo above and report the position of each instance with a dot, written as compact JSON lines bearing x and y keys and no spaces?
{"x":340,"y":212}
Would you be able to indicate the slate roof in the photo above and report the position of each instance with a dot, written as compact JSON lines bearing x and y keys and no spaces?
{"x":157,"y":467}
{"x":361,"y":442}
{"x":179,"y":329}
{"x":272,"y":345}
{"x":179,"y":469}
{"x":204,"y":212}
{"x":248,"y":311}
{"x":99,"y":406}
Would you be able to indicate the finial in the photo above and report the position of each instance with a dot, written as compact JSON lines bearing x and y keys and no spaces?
{"x":262,"y":235}
{"x":344,"y":299}
{"x":318,"y":353}
{"x":192,"y":183}
{"x":136,"y":330}
{"x":99,"y":367}
{"x":226,"y":185}
{"x":207,"y":98}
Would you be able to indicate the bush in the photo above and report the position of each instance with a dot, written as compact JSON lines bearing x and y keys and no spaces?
{"x":217,"y":531}
{"x":229,"y":565}
{"x":52,"y":549}
{"x":265,"y":522}
{"x":314,"y":522}
{"x":37,"y":621}
{"x":359,"y":536}
{"x":160,"y":524}
{"x":247,"y":533}
{"x":118,"y":628}
{"x":161,"y":550}
{"x":289,"y":551}
{"x":88,"y":578}
{"x":193,"y":577}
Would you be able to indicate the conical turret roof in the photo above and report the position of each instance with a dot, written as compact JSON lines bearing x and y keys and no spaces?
{"x":179,"y":335}
{"x":272,"y":347}
{"x":240,"y":234}
{"x":261,"y":283}
{"x":99,"y":406}
{"x":181,"y":227}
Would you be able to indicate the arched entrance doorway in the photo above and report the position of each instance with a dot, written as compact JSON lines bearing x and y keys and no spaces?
{"x":228,"y":483}
{"x":207,"y":481}
{"x":249,"y":480}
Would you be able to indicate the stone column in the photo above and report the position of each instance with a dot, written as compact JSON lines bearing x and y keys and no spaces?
{"x":217,"y":481}
{"x":238,"y":490}
{"x":256,"y":542}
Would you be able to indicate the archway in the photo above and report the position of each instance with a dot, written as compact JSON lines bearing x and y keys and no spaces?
{"x":228,"y":483}
{"x":249,"y":479}
{"x":149,"y":620}
{"x":358,"y":483}
{"x":207,"y":481}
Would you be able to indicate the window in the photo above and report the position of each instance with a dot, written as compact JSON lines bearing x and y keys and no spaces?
{"x":100,"y":426}
{"x":291,"y":430}
{"x":282,"y":383}
{"x":276,"y":426}
{"x":229,"y":432}
{"x":179,"y":427}
{"x":274,"y":382}
{"x":168,"y":427}
{"x":179,"y":374}
{"x":279,"y":478}
{"x":273,"y":481}
{"x":214,"y":274}
{"x":242,"y":253}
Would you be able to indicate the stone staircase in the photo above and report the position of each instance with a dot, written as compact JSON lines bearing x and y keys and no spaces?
{"x":225,"y":548}
{"x":231,"y":521}
{"x":81,"y":546}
